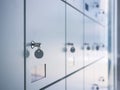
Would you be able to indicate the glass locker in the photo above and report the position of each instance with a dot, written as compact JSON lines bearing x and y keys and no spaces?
{"x":45,"y":43}
{"x":74,"y":52}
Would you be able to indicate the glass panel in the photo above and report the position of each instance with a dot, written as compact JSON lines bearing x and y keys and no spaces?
{"x":97,"y":10}
{"x":74,"y":51}
{"x":45,"y":26}
{"x":74,"y":39}
{"x":75,"y":82}
{"x":96,"y":45}
{"x":97,"y":76}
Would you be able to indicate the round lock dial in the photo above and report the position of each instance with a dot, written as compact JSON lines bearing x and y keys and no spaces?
{"x":72,"y":49}
{"x":38,"y":53}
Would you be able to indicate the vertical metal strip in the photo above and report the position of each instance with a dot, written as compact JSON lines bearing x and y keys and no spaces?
{"x":115,"y":58}
{"x":65,"y":45}
{"x":83,"y":46}
{"x":116,"y":43}
{"x":111,"y":46}
{"x":24,"y":44}
{"x":112,"y":43}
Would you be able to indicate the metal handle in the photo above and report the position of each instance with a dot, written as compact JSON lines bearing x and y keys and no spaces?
{"x":34,"y":44}
{"x":70,"y":44}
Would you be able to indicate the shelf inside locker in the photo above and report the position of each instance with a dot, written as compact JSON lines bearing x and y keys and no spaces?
{"x":83,"y":13}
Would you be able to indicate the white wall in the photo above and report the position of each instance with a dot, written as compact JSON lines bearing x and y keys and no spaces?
{"x":11,"y":45}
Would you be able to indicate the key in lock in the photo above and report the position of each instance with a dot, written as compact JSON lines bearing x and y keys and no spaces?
{"x":38,"y":53}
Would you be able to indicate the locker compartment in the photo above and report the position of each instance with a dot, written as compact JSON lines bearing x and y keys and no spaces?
{"x":45,"y":26}
{"x":96,"y":76}
{"x":75,"y":82}
{"x":95,"y":42}
{"x":97,"y":10}
{"x":101,"y":74}
{"x":74,"y":36}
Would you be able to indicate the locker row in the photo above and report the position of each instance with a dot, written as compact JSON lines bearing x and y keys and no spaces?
{"x":63,"y":37}
{"x":57,"y":45}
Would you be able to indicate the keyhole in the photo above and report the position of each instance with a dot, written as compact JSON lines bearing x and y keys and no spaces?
{"x":38,"y":53}
{"x":72,"y":49}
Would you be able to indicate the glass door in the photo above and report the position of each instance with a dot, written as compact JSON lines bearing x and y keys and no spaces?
{"x":74,"y":42}
{"x":45,"y":43}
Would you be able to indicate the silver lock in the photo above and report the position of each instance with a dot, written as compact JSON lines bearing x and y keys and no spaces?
{"x":72,"y":49}
{"x":38,"y":53}
{"x":102,"y":79}
{"x":86,"y":46}
{"x":95,"y":87}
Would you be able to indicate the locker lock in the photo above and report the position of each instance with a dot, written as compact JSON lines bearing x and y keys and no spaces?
{"x":38,"y":53}
{"x":98,"y":46}
{"x":95,"y":87}
{"x":72,"y":49}
{"x":102,"y":79}
{"x":86,"y":46}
